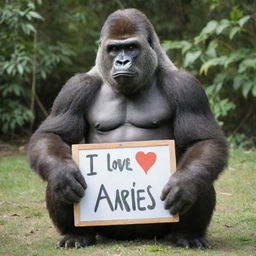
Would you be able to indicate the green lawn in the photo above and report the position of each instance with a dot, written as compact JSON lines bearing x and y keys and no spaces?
{"x":25,"y":228}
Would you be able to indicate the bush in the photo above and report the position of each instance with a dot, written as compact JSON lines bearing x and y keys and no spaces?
{"x":24,"y":61}
{"x":219,"y":56}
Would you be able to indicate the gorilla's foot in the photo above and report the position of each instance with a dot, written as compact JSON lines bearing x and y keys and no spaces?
{"x":184,"y":241}
{"x":76,"y":241}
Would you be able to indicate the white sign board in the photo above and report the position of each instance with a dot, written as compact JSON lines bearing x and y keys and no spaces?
{"x":124,"y":182}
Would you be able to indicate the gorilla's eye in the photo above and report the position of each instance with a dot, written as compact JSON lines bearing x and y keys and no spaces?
{"x":131,"y":47}
{"x":112,"y":48}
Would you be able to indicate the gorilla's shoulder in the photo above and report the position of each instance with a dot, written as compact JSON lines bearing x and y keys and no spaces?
{"x":78,"y":90}
{"x":185,"y":81}
{"x":183,"y":87}
{"x":82,"y":81}
{"x":186,"y":84}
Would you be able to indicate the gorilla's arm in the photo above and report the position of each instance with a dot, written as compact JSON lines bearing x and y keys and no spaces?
{"x":200,"y":144}
{"x":49,"y":148}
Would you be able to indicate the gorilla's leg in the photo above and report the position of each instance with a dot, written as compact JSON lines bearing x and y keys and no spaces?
{"x":62,"y":216}
{"x":191,"y":230}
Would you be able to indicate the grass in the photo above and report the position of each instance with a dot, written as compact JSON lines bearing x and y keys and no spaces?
{"x":25,"y":228}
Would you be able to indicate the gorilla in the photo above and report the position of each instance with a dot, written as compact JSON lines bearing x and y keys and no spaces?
{"x":134,"y":92}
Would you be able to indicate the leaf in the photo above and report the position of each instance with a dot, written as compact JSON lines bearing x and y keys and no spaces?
{"x":220,"y":78}
{"x":15,"y":215}
{"x":27,"y":28}
{"x":247,"y":87}
{"x":211,"y":50}
{"x":238,"y":81}
{"x":209,"y":90}
{"x":18,"y":89}
{"x":210,"y":27}
{"x":24,"y":13}
{"x":254,"y":90}
{"x":168,"y":45}
{"x":236,"y":13}
{"x":9,"y":70}
{"x":20,"y":69}
{"x":233,"y":32}
{"x":213,"y":62}
{"x":236,"y":56}
{"x":31,"y":5}
{"x":218,"y":86}
{"x":43,"y":74}
{"x":206,"y":31}
{"x":243,"y":20}
{"x":35,"y":15}
{"x":222,"y":26}
{"x":31,"y":28}
{"x":6,"y":65}
{"x":224,"y":193}
{"x":202,"y":37}
{"x":246,"y":64}
{"x":191,"y":57}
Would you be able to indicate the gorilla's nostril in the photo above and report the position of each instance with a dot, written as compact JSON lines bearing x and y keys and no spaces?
{"x":122,"y":62}
{"x":126,"y":62}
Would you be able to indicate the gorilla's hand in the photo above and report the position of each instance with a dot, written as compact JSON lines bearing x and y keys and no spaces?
{"x":180,"y":193}
{"x":67,"y":182}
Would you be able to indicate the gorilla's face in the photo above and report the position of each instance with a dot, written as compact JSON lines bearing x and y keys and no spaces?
{"x":126,"y":63}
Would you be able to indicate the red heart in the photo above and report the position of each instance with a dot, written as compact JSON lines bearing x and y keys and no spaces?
{"x":146,"y":161}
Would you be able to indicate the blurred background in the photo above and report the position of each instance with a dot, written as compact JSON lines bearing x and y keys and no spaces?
{"x":43,"y":43}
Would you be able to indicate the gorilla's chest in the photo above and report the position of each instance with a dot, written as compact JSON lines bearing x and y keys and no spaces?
{"x":148,"y":109}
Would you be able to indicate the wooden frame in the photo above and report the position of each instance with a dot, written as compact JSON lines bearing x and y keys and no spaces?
{"x":133,"y":144}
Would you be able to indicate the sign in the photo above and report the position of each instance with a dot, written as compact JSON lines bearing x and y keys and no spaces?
{"x":124,"y":182}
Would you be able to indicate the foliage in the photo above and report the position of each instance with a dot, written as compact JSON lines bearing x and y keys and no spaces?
{"x":20,"y":59}
{"x":233,"y":65}
{"x":52,"y":40}
{"x":240,"y":140}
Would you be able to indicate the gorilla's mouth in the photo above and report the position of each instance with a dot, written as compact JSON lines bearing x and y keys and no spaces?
{"x":123,"y":73}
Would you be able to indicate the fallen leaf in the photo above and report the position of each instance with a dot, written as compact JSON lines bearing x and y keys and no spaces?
{"x":21,"y":148}
{"x":15,"y":215}
{"x":224,"y":193}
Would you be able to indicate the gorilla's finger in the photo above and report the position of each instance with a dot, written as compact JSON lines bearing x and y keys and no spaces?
{"x":70,"y":196}
{"x":172,"y":197}
{"x":80,"y":178}
{"x":182,"y":242}
{"x":175,"y":208}
{"x":185,"y":208}
{"x":77,"y":187}
{"x":165,"y":191}
{"x":204,"y":243}
{"x":197,"y":243}
{"x":60,"y":243}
